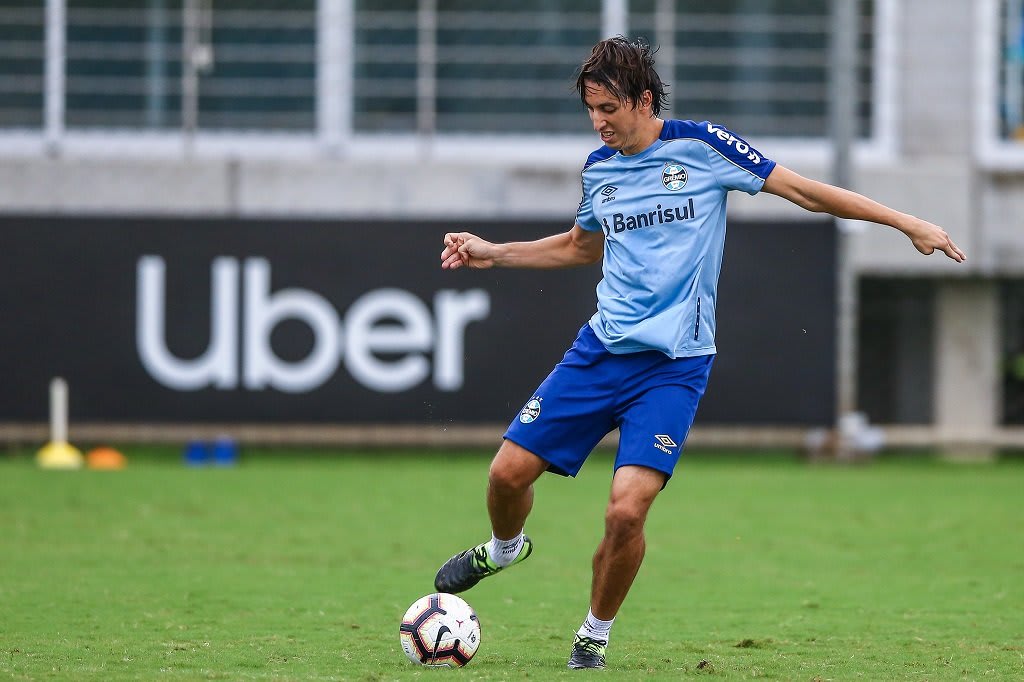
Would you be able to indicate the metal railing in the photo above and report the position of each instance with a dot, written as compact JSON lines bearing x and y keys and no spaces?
{"x":22,"y":59}
{"x":333,"y":70}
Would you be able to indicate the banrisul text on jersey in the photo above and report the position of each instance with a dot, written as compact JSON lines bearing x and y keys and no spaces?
{"x":659,"y":216}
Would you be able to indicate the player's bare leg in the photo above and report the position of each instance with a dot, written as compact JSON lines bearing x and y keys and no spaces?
{"x":621,"y":551}
{"x":617,"y":559}
{"x":510,"y":488}
{"x":509,"y":501}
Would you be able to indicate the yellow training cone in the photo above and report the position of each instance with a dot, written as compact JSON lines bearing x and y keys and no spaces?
{"x":58,"y":453}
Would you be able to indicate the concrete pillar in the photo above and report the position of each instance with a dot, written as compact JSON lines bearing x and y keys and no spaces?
{"x":936,"y":77}
{"x":967,"y":360}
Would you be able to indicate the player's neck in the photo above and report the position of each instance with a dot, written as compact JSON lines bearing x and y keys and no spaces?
{"x":647,"y":136}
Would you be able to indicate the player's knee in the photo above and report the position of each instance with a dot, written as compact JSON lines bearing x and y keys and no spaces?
{"x":622,"y":519}
{"x":514,"y":469}
{"x":505,"y":478}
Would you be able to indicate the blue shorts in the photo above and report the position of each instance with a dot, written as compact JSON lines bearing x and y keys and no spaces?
{"x":650,"y":397}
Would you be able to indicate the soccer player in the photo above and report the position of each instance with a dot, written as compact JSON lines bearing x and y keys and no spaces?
{"x":653,"y":208}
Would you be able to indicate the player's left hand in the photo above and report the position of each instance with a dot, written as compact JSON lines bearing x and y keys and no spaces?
{"x":928,"y":237}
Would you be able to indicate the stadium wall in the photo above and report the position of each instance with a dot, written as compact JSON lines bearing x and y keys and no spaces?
{"x":937,"y":159}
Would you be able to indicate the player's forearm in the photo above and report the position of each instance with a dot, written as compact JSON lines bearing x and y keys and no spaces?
{"x":556,"y":251}
{"x":820,"y":197}
{"x":843,"y":203}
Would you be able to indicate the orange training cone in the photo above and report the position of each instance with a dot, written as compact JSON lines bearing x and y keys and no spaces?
{"x":105,"y":459}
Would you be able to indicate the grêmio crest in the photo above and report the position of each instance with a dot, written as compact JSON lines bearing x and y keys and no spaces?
{"x":673,"y":176}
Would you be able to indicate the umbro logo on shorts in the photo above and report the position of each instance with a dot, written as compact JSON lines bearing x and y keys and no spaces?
{"x":663,"y":443}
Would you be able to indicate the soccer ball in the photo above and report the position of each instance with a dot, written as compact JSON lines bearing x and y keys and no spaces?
{"x":440,"y":630}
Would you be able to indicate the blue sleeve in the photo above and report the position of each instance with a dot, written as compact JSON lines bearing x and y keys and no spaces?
{"x":736,"y":164}
{"x":585,"y":213}
{"x":585,"y":217}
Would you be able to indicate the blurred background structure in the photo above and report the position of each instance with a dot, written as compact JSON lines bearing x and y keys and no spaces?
{"x":252,"y":130}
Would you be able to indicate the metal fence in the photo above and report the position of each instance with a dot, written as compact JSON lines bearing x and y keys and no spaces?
{"x":340,"y":68}
{"x":22,"y":46}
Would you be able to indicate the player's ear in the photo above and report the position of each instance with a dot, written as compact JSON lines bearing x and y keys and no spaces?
{"x":646,"y":99}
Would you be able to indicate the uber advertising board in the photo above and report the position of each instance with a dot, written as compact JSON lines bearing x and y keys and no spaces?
{"x":172,"y":320}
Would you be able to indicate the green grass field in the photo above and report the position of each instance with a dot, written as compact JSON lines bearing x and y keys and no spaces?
{"x":300,"y":565}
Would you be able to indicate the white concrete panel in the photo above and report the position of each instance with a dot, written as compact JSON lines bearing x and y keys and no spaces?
{"x":1002,"y":224}
{"x":933,"y":189}
{"x":404,"y":189}
{"x":936,"y":52}
{"x":113,"y":187}
{"x":967,"y":392}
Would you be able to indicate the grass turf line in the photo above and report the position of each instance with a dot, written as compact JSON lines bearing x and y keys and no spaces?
{"x":299,"y":566}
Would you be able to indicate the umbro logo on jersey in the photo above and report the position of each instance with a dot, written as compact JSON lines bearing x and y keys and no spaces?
{"x":608,"y":192}
{"x":663,"y":443}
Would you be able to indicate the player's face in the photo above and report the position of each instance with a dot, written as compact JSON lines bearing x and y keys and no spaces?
{"x":620,"y":125}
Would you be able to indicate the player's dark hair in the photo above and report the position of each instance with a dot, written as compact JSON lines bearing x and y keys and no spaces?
{"x":626,"y":70}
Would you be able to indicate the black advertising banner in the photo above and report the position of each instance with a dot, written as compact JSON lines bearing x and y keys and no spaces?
{"x":174,"y":320}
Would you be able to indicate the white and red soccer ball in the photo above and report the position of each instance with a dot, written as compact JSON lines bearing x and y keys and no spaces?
{"x":440,"y":630}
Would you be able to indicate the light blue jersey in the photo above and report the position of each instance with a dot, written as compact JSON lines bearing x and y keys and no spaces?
{"x":663,"y":216}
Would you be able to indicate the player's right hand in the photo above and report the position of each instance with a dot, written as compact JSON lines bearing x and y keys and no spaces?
{"x":466,"y":249}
